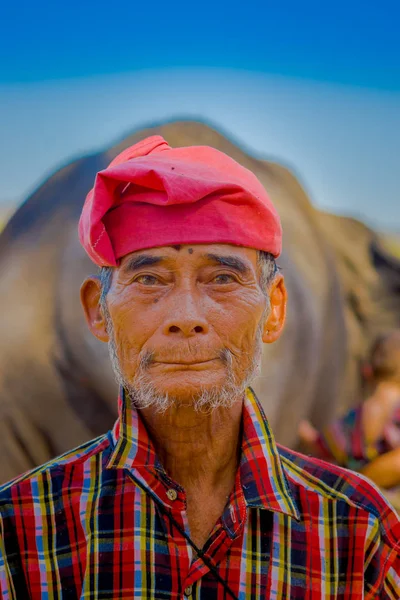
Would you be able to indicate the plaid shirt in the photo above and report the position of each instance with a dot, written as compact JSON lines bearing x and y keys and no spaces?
{"x":95,"y":524}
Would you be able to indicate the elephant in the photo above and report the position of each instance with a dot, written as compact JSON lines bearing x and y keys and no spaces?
{"x":57,"y":388}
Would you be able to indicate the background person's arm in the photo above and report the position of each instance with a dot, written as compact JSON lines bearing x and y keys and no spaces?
{"x":384,"y":471}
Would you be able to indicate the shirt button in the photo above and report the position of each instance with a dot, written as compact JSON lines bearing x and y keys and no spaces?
{"x":188,"y":590}
{"x":172,"y":494}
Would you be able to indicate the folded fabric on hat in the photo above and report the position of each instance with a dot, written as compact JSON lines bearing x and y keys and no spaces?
{"x":154,"y":195}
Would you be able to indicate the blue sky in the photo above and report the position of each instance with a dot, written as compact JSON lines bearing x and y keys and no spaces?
{"x":354,"y":42}
{"x":316,"y":86}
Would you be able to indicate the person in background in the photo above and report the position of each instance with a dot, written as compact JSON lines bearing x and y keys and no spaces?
{"x":367,"y":438}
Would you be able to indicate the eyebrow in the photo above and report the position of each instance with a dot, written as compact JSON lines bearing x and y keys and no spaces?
{"x":142,"y":260}
{"x":230,"y":261}
{"x":146,"y":260}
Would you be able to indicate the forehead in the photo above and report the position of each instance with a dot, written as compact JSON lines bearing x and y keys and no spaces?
{"x":191,"y":253}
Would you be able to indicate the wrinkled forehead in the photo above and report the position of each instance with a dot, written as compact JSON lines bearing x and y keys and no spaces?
{"x":238,"y":257}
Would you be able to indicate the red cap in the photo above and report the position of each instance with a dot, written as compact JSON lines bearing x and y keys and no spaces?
{"x":154,"y":195}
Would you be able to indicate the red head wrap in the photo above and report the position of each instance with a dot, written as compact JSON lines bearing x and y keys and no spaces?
{"x":153,"y":195}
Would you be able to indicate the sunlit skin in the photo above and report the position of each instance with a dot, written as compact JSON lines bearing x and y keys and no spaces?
{"x":185,"y":306}
{"x":384,"y":470}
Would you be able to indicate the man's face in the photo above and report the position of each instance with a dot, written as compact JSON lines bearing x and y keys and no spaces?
{"x":185,"y":320}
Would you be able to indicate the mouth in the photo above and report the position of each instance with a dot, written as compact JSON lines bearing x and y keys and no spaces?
{"x":185,"y":364}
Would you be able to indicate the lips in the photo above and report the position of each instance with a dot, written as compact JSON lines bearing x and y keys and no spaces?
{"x":184,"y":362}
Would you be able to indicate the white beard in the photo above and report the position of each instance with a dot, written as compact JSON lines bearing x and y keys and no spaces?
{"x":144,"y":394}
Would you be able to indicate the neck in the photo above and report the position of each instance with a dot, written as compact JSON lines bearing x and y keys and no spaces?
{"x":197,"y":448}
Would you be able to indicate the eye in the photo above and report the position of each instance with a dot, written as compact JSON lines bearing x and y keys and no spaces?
{"x":147,"y":280}
{"x":224,"y":278}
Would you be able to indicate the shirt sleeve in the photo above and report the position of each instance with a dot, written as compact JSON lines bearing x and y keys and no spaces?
{"x":7,"y":590}
{"x":391,"y":584}
{"x":382,"y":563}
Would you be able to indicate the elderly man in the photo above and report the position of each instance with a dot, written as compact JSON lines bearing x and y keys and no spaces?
{"x":189,"y":496}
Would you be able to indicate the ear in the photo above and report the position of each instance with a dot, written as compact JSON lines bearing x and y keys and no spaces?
{"x":275,"y":321}
{"x":90,"y":300}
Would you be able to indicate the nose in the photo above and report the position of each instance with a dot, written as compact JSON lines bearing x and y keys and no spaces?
{"x":186,"y":318}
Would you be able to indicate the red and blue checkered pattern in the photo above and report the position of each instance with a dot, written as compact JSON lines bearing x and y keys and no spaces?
{"x":94,"y":524}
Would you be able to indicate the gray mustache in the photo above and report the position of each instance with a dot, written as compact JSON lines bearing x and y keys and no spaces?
{"x":147,"y":358}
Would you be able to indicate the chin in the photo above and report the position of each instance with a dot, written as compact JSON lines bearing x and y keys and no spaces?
{"x":182,"y":387}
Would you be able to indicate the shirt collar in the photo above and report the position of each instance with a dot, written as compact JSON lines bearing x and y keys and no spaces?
{"x":133,"y":447}
{"x":261,"y":471}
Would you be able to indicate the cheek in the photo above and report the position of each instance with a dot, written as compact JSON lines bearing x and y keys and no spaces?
{"x":132,"y":329}
{"x":237,"y":319}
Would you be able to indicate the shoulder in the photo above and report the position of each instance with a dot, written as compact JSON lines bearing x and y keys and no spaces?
{"x":53,"y":469}
{"x":348,"y":490}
